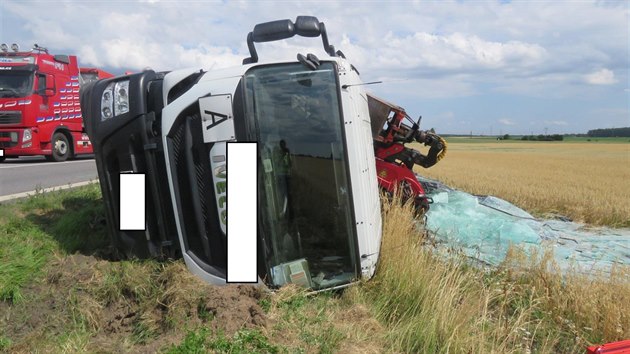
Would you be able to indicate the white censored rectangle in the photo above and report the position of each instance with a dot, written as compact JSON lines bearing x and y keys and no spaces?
{"x":242,"y":216}
{"x":1,"y":152}
{"x":132,"y":202}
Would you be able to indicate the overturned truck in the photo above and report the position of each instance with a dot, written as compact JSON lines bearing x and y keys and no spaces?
{"x":317,"y":200}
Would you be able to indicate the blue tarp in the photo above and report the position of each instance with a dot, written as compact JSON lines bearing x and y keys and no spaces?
{"x":484,"y":227}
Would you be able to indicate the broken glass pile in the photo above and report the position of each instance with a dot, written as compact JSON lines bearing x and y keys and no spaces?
{"x":484,"y":228}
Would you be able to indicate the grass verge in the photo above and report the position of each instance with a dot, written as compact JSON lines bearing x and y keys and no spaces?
{"x":60,"y":294}
{"x":46,"y":224}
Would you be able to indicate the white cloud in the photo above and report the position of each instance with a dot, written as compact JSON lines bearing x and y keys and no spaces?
{"x":601,"y":77}
{"x":557,"y":122}
{"x":435,"y":51}
{"x":456,"y":51}
{"x":88,"y":56}
{"x":506,"y":121}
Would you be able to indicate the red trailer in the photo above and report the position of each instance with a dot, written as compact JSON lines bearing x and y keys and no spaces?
{"x":93,"y":74}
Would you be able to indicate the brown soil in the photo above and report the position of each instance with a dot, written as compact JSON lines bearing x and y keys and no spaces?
{"x":145,"y":308}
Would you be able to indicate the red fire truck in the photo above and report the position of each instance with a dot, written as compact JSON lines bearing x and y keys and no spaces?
{"x":39,"y":104}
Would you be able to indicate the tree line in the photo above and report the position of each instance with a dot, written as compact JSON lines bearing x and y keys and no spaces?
{"x":610,"y":132}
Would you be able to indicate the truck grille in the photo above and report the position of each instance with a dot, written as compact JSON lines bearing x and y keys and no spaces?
{"x":192,"y":179}
{"x":8,"y":139}
{"x":10,"y":117}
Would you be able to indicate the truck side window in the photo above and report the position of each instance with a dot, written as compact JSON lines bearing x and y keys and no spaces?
{"x":41,"y":82}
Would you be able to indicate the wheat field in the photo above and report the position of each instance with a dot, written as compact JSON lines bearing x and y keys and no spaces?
{"x":588,"y":182}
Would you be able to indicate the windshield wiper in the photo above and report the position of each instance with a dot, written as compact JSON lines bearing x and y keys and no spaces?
{"x":8,"y":92}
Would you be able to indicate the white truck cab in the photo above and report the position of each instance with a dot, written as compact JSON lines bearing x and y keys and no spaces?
{"x":319,"y":217}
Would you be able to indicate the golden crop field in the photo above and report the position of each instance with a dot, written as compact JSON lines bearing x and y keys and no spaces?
{"x":588,"y":182}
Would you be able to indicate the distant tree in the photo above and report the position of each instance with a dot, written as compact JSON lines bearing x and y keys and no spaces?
{"x":541,"y":137}
{"x":506,"y":137}
{"x":611,"y":132}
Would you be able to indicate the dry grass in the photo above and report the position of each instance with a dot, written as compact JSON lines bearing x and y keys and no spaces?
{"x":322,"y":323}
{"x":436,"y":306}
{"x":433,"y":304}
{"x":587,"y":182}
{"x":589,"y":310}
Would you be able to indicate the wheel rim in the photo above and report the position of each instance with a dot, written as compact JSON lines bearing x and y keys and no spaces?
{"x":61,"y":147}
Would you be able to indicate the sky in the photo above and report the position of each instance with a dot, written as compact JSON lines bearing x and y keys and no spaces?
{"x":467,"y":67}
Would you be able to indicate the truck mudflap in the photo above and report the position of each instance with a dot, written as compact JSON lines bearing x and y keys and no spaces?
{"x":130,"y":143}
{"x":82,"y":143}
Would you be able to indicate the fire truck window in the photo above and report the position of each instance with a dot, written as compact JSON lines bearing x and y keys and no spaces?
{"x":41,"y":82}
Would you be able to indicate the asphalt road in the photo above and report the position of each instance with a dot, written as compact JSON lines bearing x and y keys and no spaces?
{"x":26,"y":174}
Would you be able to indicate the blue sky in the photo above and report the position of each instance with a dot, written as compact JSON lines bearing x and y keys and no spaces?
{"x":515,"y":67}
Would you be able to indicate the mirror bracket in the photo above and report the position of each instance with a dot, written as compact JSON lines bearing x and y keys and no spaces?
{"x":305,"y":26}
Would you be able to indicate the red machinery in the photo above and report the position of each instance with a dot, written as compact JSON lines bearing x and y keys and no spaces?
{"x":610,"y":348}
{"x":392,"y":128}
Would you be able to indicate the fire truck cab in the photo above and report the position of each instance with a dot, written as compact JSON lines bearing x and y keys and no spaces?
{"x":40,"y":113}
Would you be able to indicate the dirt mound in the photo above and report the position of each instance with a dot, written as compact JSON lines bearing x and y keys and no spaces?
{"x":127,"y":306}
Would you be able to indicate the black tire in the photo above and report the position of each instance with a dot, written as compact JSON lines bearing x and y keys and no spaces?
{"x":2,"y":158}
{"x":61,"y":148}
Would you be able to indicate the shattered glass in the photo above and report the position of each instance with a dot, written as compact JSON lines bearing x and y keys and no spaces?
{"x":484,"y":227}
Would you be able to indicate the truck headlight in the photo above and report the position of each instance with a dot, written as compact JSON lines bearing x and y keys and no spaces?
{"x":107,"y":102}
{"x":27,"y":135}
{"x":121,"y":97}
{"x":115,"y":99}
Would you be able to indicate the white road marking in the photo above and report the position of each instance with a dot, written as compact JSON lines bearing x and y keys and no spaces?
{"x":45,"y":190}
{"x":41,"y":163}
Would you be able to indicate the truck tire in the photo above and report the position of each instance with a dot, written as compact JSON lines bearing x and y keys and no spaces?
{"x":2,"y":158}
{"x":61,"y":149}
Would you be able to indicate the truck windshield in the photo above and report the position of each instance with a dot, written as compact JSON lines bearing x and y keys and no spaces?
{"x":16,"y":84}
{"x":304,"y":202}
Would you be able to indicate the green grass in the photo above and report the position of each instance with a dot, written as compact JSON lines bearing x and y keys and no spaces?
{"x":243,"y":342}
{"x":34,"y":229}
{"x":24,"y":249}
{"x":4,"y":343}
{"x":61,"y":295}
{"x":310,"y":320}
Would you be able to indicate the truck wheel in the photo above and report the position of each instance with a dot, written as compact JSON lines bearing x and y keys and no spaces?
{"x":2,"y":158}
{"x":60,"y":148}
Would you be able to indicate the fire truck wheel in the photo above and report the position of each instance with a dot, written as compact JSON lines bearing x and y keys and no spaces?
{"x":60,"y":148}
{"x":2,"y":158}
